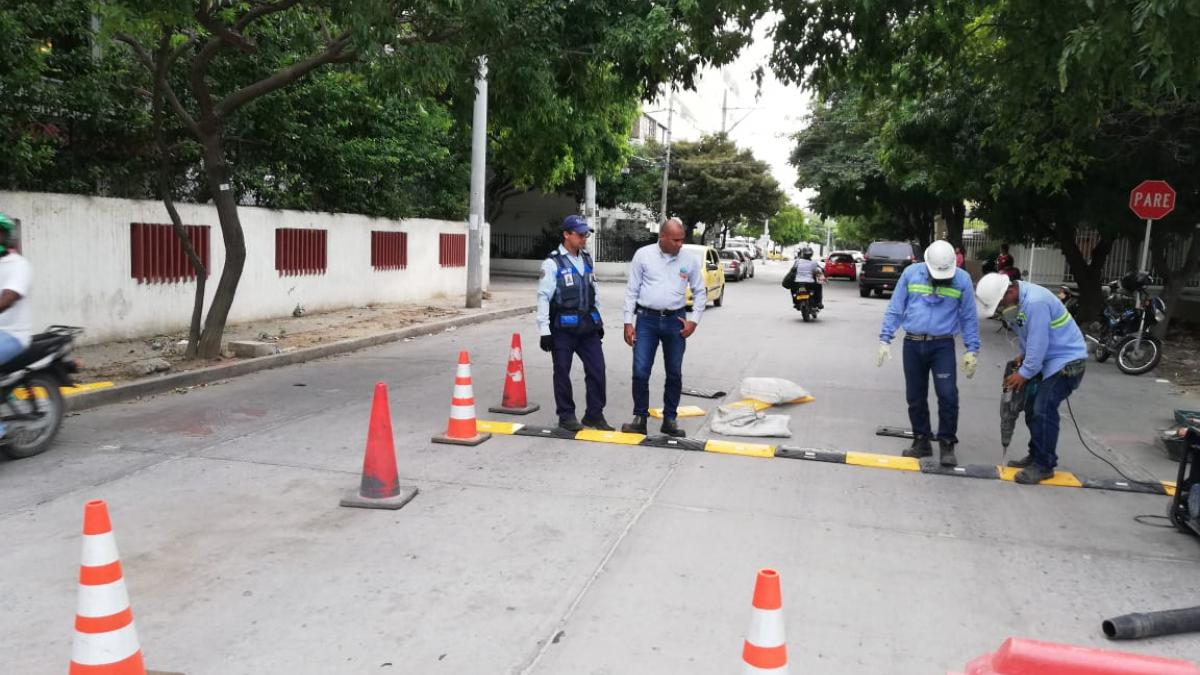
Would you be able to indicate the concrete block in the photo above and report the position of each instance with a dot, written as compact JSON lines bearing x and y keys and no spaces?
{"x":249,"y":349}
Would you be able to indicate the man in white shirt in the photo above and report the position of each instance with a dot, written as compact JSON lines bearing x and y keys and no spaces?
{"x":16,"y":276}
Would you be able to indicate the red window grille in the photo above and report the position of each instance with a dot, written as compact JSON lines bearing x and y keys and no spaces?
{"x":452,"y":250}
{"x":156,"y":255}
{"x":389,"y":250}
{"x":300,"y":251}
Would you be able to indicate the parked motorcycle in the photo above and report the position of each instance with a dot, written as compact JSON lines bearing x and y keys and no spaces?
{"x":32,"y":405}
{"x":1124,"y":329}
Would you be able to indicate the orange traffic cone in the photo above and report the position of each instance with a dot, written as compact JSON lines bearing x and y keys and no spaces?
{"x":461,"y":429}
{"x":106,"y":642}
{"x":380,"y":488}
{"x":514,"y":401}
{"x":1018,"y":655}
{"x":765,"y":649}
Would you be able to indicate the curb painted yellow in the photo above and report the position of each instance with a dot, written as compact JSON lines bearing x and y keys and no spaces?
{"x":1059,"y":479}
{"x":883,"y":461}
{"x":618,"y":437}
{"x":502,"y":428}
{"x":681,"y":411}
{"x":19,"y":394}
{"x":743,"y":449}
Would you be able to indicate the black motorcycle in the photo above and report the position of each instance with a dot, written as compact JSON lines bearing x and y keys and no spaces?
{"x":1124,"y":329}
{"x":32,"y":405}
{"x":804,"y":301}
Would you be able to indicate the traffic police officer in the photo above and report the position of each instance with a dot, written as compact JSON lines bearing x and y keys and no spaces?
{"x":933,"y":302}
{"x":1053,"y":356}
{"x":568,"y":317}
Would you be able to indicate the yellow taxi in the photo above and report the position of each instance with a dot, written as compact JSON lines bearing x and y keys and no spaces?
{"x":714,"y":274}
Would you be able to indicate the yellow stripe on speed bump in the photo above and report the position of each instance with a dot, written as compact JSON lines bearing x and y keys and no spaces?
{"x":1060,"y":478}
{"x":1169,"y":486}
{"x":617,"y":437}
{"x":883,"y":461}
{"x":743,"y":449}
{"x":502,"y":428}
{"x":682,"y":411}
{"x":763,"y":405}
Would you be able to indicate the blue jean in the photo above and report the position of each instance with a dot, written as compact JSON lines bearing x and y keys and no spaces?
{"x":1041,"y":416}
{"x":921,"y":358}
{"x":651,"y":330}
{"x":10,"y":347}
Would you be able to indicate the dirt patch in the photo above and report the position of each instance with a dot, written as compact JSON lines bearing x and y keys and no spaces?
{"x":125,"y":360}
{"x":1181,"y":361}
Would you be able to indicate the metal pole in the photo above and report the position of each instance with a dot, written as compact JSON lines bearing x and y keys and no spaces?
{"x":478,"y":174}
{"x":667,"y":164}
{"x":1145,"y":246}
{"x":724,"y":108}
{"x":589,"y":209}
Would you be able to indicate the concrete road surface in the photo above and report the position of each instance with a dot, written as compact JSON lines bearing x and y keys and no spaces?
{"x":530,"y":555}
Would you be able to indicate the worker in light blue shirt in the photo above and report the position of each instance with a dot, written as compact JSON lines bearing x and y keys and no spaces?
{"x":933,"y":302}
{"x":568,"y":318}
{"x":1053,"y":358}
{"x":656,"y":296}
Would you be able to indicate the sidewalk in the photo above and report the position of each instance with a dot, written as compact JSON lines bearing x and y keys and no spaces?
{"x":125,"y":361}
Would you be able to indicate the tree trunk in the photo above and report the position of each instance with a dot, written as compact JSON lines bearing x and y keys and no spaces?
{"x":1086,"y":272}
{"x":955,"y":214}
{"x":1176,"y":278}
{"x":217,"y":174}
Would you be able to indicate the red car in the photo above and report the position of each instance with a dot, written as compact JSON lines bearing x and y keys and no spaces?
{"x":840,"y":265}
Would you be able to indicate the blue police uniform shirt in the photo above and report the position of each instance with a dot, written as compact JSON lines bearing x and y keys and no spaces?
{"x":1050,"y":339}
{"x":549,"y":283}
{"x":660,"y":281}
{"x":920,"y":307}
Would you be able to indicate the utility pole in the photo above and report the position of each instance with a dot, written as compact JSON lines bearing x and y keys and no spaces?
{"x":724,"y":108}
{"x":589,"y":210}
{"x":478,"y":174}
{"x":667,"y":163}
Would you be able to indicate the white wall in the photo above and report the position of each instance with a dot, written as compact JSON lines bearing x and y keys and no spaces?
{"x":532,"y":212}
{"x":532,"y":269}
{"x":80,"y":251}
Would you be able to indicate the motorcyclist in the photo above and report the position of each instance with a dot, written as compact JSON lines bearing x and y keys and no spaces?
{"x":16,"y":276}
{"x":810,"y":273}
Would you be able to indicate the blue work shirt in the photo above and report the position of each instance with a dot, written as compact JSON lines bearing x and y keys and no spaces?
{"x":660,"y":281}
{"x":548,"y":284}
{"x":1050,"y":339}
{"x":918,"y":306}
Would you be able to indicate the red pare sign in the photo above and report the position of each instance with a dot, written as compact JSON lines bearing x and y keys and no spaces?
{"x":1152,"y":199}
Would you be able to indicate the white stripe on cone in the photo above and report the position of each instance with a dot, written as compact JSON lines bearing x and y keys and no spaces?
{"x":766,"y":628}
{"x":464,"y":370}
{"x":101,"y":649}
{"x":514,"y":354}
{"x":103,"y":600}
{"x":464,"y":391}
{"x":515,"y":375}
{"x":462,"y":412}
{"x":99,"y":549}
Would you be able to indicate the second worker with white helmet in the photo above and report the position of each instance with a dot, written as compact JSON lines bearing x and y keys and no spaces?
{"x":933,"y":302}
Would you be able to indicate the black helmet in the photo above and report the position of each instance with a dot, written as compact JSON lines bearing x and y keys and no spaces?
{"x":1135,"y":281}
{"x":806,"y":253}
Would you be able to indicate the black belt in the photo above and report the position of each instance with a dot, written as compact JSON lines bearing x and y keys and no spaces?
{"x":658,"y":312}
{"x":922,"y":337}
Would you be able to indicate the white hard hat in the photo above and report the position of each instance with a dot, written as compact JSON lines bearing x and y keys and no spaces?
{"x":990,"y":291}
{"x":940,"y":259}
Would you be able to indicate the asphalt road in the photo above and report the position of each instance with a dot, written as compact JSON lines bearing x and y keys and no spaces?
{"x":546,"y":556}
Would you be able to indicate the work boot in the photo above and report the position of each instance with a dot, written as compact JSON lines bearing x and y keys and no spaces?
{"x":1021,"y":463}
{"x":598,"y":423}
{"x":1033,"y":474}
{"x":670,"y":428}
{"x":921,"y":447}
{"x":570,"y":424}
{"x":635,"y":426}
{"x":946,"y":450}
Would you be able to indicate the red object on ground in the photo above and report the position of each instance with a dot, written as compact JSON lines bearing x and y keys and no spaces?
{"x":1019,"y":656}
{"x":514,"y":400}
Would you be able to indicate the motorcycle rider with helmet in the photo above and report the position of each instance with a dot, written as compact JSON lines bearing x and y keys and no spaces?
{"x":808,"y":272}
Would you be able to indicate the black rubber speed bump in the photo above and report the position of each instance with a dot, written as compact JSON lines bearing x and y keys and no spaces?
{"x":703,"y":393}
{"x":695,"y":444}
{"x":1122,"y":485}
{"x":546,"y":432}
{"x":933,"y":466}
{"x":898,"y":432}
{"x":813,"y":454}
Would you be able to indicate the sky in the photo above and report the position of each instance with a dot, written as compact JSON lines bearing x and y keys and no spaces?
{"x":762,"y":121}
